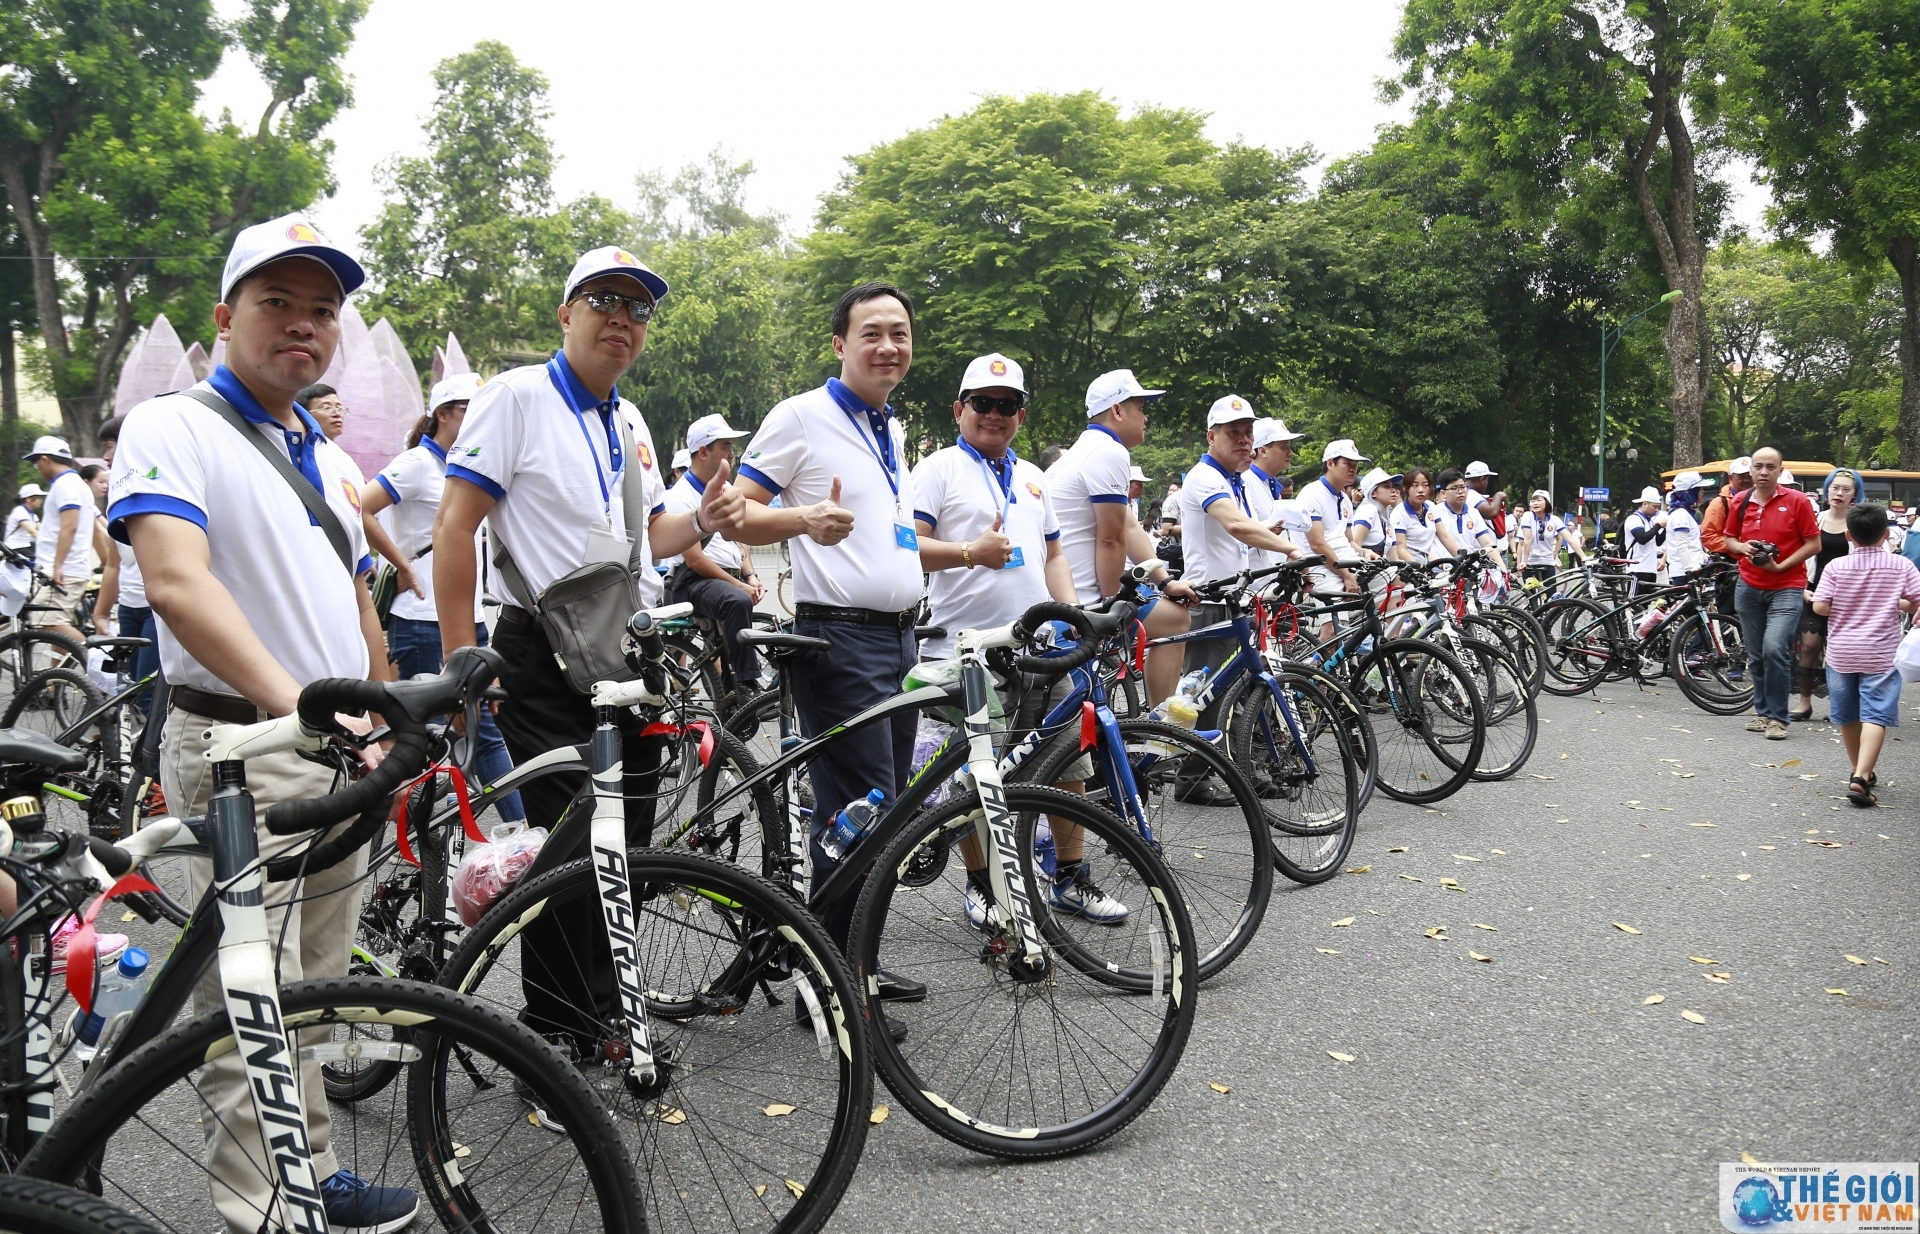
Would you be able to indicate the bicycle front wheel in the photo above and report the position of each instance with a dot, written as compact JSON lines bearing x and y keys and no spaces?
{"x":1513,"y":717}
{"x":1579,"y":646}
{"x":1429,"y":719}
{"x":1708,"y":660}
{"x":455,"y":1133}
{"x":1003,"y":1058}
{"x":1304,"y":771}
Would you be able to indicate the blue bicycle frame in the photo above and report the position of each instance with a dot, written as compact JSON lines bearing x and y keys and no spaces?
{"x":1247,"y":659}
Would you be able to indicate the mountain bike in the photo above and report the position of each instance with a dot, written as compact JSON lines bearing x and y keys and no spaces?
{"x":1673,"y":631}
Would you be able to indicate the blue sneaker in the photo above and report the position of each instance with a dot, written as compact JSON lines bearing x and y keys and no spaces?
{"x":1074,"y":893}
{"x":356,"y":1206}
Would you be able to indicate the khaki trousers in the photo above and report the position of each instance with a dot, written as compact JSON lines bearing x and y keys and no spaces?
{"x":318,"y":942}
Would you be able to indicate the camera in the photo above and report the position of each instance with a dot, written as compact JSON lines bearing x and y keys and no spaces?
{"x":1763,"y":552}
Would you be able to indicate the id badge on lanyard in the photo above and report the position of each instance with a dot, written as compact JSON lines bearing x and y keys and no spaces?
{"x":1003,"y":501}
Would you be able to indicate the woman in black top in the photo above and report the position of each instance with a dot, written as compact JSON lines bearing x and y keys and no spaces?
{"x":1843,"y":486}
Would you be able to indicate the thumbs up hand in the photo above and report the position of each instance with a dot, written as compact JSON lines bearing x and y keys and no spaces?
{"x":828,"y":522}
{"x":723,"y":508}
{"x":992,"y":549}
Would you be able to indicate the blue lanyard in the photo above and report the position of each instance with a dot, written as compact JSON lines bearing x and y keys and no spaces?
{"x":876,"y":420}
{"x":1003,"y":488}
{"x":1233,"y":482}
{"x":561,"y":374}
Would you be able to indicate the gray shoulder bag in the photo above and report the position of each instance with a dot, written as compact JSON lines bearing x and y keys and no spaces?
{"x":585,"y":613}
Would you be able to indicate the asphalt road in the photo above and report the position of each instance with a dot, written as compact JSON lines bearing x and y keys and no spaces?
{"x":1538,"y":1091}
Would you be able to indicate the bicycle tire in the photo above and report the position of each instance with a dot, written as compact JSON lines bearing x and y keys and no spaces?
{"x":13,"y":1062}
{"x":33,"y":1206}
{"x":101,"y":1140}
{"x":1580,"y":648}
{"x":1229,"y":876}
{"x":1521,"y":635}
{"x":484,"y":965}
{"x":1706,"y":679}
{"x":1312,"y":835}
{"x":1360,"y":735}
{"x":746,"y":820}
{"x":1394,"y":695}
{"x":1094,"y":971}
{"x":1513,"y":717}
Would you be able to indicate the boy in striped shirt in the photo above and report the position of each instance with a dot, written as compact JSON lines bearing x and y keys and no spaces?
{"x":1862,"y":596}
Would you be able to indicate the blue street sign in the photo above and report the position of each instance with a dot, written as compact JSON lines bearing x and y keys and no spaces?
{"x":1594,"y":494}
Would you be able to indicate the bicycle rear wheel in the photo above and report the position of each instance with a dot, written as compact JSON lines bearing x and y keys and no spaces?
{"x":1513,"y":718}
{"x":998,"y":1058}
{"x":1521,"y":636}
{"x":1311,"y":813}
{"x":1429,"y":719}
{"x":1579,"y":646}
{"x":1708,"y":660}
{"x":456,"y":1132}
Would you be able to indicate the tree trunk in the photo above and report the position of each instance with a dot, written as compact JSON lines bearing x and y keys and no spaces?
{"x":1905,"y":255}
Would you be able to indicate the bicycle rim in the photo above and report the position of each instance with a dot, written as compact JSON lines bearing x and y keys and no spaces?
{"x":1710,"y":666}
{"x":1427,"y":718}
{"x":1513,"y":719}
{"x":1312,"y":811}
{"x":1579,"y":648}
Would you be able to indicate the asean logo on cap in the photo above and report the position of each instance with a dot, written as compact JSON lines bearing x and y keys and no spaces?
{"x":998,"y":368}
{"x":625,"y":258}
{"x":303,"y":233}
{"x":1237,"y":405}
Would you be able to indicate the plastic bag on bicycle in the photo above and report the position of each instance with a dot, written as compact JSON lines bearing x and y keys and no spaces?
{"x":489,"y":871}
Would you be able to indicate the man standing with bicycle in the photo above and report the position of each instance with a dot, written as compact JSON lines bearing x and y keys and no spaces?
{"x":65,"y":534}
{"x":1772,"y":530}
{"x":247,"y":528}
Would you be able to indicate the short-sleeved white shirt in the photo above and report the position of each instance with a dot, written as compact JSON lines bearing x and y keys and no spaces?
{"x":958,"y":495}
{"x":1684,"y":551}
{"x":554,"y":475}
{"x":684,"y":498}
{"x":1095,"y":470}
{"x":1468,"y":529}
{"x":17,"y":535}
{"x":1377,"y":522}
{"x":1264,"y":506}
{"x":177,"y":457}
{"x":1546,"y":537}
{"x":800,"y":447}
{"x":415,"y":480}
{"x":133,"y":586}
{"x":1330,"y":508}
{"x":1417,"y":530}
{"x":1212,"y":552}
{"x":1645,"y":557}
{"x":67,"y":492}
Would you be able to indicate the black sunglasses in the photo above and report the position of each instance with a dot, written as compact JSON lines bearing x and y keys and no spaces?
{"x":984,"y":403}
{"x":610,"y":302}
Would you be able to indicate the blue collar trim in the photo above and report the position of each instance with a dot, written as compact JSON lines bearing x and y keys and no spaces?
{"x":581,"y":396}
{"x":439,"y":451}
{"x":302,"y":445}
{"x":694,"y":482}
{"x":1101,"y":428}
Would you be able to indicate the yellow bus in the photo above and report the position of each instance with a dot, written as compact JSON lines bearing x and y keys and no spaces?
{"x":1898,"y":490}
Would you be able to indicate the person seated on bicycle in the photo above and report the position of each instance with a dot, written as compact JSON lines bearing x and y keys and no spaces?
{"x":714,"y":576}
{"x":1644,"y":534}
{"x":998,"y":555}
{"x":259,"y":594}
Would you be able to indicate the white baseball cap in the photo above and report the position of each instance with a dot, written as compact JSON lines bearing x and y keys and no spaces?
{"x":1229,"y":409}
{"x":709,"y":429}
{"x":1788,"y":479}
{"x":457,"y":388}
{"x":1378,"y":476}
{"x":1268,"y":431}
{"x":1742,"y":466}
{"x":1540,"y":492}
{"x":1477,"y":469}
{"x":53,"y":447}
{"x":31,"y":490}
{"x":613,"y":260}
{"x":1684,"y":481}
{"x":682,"y":459}
{"x":1343,"y":448}
{"x":1116,"y":387}
{"x":1135,"y":475}
{"x":994,"y":369}
{"x":290,"y":235}
{"x":1652,"y":494}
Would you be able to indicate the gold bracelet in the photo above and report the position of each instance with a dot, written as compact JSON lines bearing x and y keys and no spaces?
{"x":966,"y":555}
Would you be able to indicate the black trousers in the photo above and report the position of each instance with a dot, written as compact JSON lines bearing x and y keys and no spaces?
{"x":1209,"y":653}
{"x":566,"y":964}
{"x":727,"y":607}
{"x":866,"y":666}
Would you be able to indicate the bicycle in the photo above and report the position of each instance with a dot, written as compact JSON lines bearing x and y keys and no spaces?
{"x":26,"y":650}
{"x":446,"y":1131}
{"x":1699,"y":646}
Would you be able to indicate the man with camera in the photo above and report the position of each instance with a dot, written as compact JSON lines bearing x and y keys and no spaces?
{"x":1772,"y":530}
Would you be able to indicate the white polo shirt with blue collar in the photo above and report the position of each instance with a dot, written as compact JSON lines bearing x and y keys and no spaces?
{"x":415,"y":481}
{"x":684,"y":498}
{"x":180,"y":459}
{"x":1212,"y":552}
{"x":959,"y":493}
{"x":1095,"y":470}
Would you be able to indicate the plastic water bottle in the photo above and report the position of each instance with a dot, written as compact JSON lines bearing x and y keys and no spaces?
{"x":1192,"y":684}
{"x":1180,"y":712}
{"x":119,"y":989}
{"x":1655,"y":615}
{"x":852,"y":823}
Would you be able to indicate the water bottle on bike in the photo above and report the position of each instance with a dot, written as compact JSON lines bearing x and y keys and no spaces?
{"x":119,"y":989}
{"x":852,"y":823}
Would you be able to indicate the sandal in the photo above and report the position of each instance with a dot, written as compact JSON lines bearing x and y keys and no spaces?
{"x":1860,"y":792}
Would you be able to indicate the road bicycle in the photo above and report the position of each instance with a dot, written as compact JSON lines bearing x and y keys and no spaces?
{"x":1672,"y":631}
{"x":133,"y":1129}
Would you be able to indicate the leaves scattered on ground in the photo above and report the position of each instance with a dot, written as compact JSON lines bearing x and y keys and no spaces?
{"x":1651,"y":999}
{"x":1344,"y":921}
{"x":779,"y":1109}
{"x":879,"y":1115}
{"x":1693,"y":1017}
{"x":1621,"y":925}
{"x":1338,"y":1057}
{"x":1218,"y":1087}
{"x":1484,"y":959}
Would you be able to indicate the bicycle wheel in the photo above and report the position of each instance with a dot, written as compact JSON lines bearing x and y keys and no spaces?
{"x":1521,"y":636}
{"x":456,"y":1132}
{"x":1351,"y":715}
{"x":1309,"y":787}
{"x":1708,"y":661}
{"x":1513,"y":718}
{"x":738,"y":830}
{"x":25,"y":652}
{"x":999,"y":1058}
{"x":1428,"y":718}
{"x":30,"y":1206}
{"x":1579,"y":646}
{"x":1220,"y":855}
{"x":760,"y":1120}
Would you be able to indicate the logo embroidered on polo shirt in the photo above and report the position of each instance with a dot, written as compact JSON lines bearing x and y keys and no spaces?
{"x":1034,"y":489}
{"x":353,"y":498}
{"x":153,"y":473}
{"x":473,"y":451}
{"x":646,"y":455}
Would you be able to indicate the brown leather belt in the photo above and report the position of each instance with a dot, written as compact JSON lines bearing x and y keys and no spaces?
{"x":226,"y":708}
{"x":511,"y":615}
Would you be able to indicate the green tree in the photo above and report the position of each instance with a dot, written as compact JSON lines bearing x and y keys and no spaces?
{"x":1827,"y":94}
{"x":1574,"y":110}
{"x":124,"y":198}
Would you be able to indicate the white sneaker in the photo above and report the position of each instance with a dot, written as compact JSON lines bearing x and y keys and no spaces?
{"x":1074,"y":892}
{"x":974,"y":903}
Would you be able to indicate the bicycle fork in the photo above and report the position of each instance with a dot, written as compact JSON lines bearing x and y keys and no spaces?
{"x":996,"y":823}
{"x":613,"y":878}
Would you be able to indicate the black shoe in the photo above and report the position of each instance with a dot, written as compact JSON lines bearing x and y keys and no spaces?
{"x":1801,"y":717}
{"x":896,"y":1031}
{"x":893,"y":988}
{"x":1205,"y":791}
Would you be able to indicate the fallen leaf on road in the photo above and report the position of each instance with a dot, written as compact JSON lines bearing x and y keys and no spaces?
{"x":1853,"y":959}
{"x":1480,"y":926}
{"x":1676,"y":728}
{"x":1498,"y":852}
{"x":1359,"y":869}
{"x":1813,"y":831}
{"x":1651,"y":999}
{"x":1634,"y":802}
{"x":1674,"y":761}
{"x":1749,"y":1158}
{"x":1743,"y":877}
{"x":1538,"y":776}
{"x":779,"y":1108}
{"x":1700,"y":959}
{"x":1762,"y":764}
{"x":1344,"y":921}
{"x":1823,"y":843}
{"x":1464,"y":857}
{"x":1374,"y":912}
{"x":879,"y":1115}
{"x":796,"y":1189}
{"x":1842,"y":993}
{"x":1218,"y":1088}
{"x":1410,"y":878}
{"x":1812,"y":775}
{"x":1436,"y":932}
{"x":1878,"y":960}
{"x":1703,"y":824}
{"x":1326,"y":951}
{"x":1792,"y":762}
{"x":1684,"y":775}
{"x":1338,"y":1057}
{"x":1693,"y":1017}
{"x":129,"y":915}
{"x":1562,"y":820}
{"x":1447,"y":882}
{"x":672,"y":1117}
{"x":1621,"y":925}
{"x":1401,"y":849}
{"x":1566,"y":756}
{"x":1456,"y":887}
{"x":760,"y":1189}
{"x":1721,"y":978}
{"x":1484,"y":959}
{"x":1766,"y":848}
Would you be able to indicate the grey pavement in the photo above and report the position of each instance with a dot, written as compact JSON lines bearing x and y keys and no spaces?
{"x":1538,"y":1091}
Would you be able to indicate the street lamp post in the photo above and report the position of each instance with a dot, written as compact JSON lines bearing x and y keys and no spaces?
{"x":1610,"y":337}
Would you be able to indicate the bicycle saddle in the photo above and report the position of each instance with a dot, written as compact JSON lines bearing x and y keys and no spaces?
{"x":23,"y":745}
{"x":109,"y":640}
{"x":779,"y":644}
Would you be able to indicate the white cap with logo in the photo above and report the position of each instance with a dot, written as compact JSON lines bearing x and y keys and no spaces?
{"x":1788,"y":479}
{"x":994,"y":369}
{"x":1742,"y":466}
{"x":461,"y":387}
{"x":709,"y":429}
{"x":52,"y":447}
{"x":1229,"y":409}
{"x":1682,"y":482}
{"x":31,"y":490}
{"x":1343,"y":448}
{"x":1267,"y":432}
{"x":1477,"y":469}
{"x":682,"y":459}
{"x":290,"y":235}
{"x":613,"y":260}
{"x":1116,"y":387}
{"x":1375,"y":478}
{"x":1651,"y":494}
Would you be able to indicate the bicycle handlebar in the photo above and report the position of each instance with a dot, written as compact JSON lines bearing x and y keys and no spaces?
{"x":1090,"y":628}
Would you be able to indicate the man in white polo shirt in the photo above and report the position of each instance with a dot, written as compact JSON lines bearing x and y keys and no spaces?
{"x":712,"y":576}
{"x":255,"y":600}
{"x":1491,"y":506}
{"x":1272,"y":455}
{"x":550,"y":455}
{"x":1328,"y":510}
{"x":66,"y":532}
{"x":1089,"y":487}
